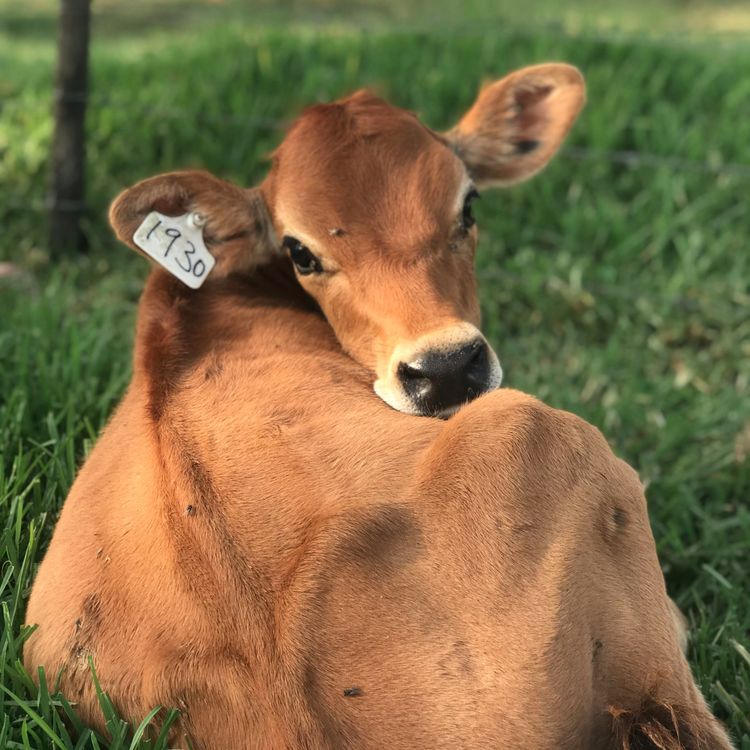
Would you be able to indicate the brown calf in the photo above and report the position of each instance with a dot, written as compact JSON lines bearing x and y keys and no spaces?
{"x":260,"y":541}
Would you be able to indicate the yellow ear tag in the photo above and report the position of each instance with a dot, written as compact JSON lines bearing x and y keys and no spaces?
{"x":176,"y":243}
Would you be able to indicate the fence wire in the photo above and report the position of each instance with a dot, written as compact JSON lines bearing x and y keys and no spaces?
{"x":631,"y":159}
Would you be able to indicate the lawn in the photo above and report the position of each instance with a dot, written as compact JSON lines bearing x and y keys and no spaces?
{"x":616,"y":284}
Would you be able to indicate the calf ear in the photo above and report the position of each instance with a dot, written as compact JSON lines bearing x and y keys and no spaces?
{"x":518,"y":123}
{"x":234,"y":223}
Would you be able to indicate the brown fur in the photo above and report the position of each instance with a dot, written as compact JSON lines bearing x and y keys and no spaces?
{"x":260,"y":541}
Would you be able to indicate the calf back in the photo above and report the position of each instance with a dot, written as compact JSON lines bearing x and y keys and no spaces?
{"x":257,"y":540}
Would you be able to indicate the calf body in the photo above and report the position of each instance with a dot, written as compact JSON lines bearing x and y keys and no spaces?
{"x":260,"y":542}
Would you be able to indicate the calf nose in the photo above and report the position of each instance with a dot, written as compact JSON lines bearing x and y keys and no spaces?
{"x":441,"y":380}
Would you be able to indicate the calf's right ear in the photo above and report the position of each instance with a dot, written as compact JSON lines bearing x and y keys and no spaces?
{"x":233,"y":223}
{"x":518,"y":123}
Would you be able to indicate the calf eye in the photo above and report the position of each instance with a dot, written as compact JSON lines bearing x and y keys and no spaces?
{"x":305,"y":262}
{"x":467,"y":217}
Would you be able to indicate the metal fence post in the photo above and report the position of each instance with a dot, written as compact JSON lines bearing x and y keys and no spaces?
{"x":66,"y":201}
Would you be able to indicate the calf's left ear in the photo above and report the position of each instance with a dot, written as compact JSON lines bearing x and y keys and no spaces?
{"x":234,"y":223}
{"x":518,"y":123}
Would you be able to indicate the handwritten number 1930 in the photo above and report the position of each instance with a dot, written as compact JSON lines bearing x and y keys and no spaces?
{"x":198,"y":268}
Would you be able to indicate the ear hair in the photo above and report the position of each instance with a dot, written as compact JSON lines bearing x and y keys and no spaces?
{"x":237,"y":231}
{"x":658,"y":725}
{"x":518,"y":123}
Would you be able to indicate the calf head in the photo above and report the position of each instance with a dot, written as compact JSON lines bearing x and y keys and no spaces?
{"x":375,"y":211}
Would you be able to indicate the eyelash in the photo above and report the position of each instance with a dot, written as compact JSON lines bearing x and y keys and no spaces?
{"x":303,"y":258}
{"x":467,"y":217}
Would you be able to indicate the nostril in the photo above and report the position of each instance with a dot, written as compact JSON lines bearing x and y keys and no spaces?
{"x":477,"y":348}
{"x":408,"y":372}
{"x":478,"y":366}
{"x":415,"y":379}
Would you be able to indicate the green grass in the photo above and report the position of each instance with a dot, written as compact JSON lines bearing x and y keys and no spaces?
{"x":618,"y":291}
